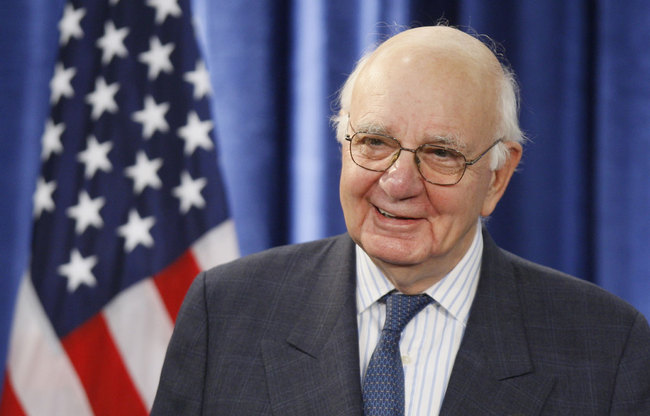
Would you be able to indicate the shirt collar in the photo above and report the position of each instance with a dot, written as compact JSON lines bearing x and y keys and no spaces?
{"x":454,"y":292}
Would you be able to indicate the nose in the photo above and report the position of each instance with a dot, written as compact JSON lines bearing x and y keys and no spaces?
{"x":402,"y":180}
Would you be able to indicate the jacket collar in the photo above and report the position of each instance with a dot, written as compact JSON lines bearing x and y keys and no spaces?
{"x":316,"y":370}
{"x":493,"y":372}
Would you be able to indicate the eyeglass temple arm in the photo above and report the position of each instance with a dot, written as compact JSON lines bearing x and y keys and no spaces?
{"x":471,"y":162}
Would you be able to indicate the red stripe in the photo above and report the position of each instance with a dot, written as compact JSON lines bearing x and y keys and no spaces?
{"x":174,"y":281}
{"x":97,"y":361}
{"x":9,"y":404}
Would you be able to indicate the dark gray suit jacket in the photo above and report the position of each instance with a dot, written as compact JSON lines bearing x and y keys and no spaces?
{"x":276,"y":333}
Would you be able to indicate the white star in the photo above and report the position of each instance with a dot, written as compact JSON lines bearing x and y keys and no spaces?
{"x":42,"y":198}
{"x":95,"y":157}
{"x":189,"y":192}
{"x":157,"y":58}
{"x":70,"y":24}
{"x":86,"y":212}
{"x":164,"y":8}
{"x":79,"y":270}
{"x":112,"y":43}
{"x":60,"y":84}
{"x":152,"y":117}
{"x":103,"y":98}
{"x":196,"y":133}
{"x":51,"y":139}
{"x":136,"y":231}
{"x":144,"y":172}
{"x":200,"y":79}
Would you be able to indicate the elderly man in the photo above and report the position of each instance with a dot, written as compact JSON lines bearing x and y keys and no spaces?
{"x":415,"y":310}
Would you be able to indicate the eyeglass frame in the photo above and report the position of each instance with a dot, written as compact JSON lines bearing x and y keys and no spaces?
{"x":398,"y":152}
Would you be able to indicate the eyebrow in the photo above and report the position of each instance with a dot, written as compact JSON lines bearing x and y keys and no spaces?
{"x":447,"y":140}
{"x":371,"y":127}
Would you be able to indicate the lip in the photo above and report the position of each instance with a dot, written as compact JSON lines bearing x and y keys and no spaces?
{"x":388,"y":215}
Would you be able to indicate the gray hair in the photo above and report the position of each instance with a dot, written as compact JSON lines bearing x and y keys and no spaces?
{"x":507,"y":106}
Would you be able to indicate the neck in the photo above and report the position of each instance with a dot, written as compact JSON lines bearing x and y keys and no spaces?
{"x":412,"y":279}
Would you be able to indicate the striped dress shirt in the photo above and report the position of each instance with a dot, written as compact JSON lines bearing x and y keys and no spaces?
{"x":431,"y":340}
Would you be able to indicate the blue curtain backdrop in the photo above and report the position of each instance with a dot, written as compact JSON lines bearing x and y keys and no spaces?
{"x":580,"y":202}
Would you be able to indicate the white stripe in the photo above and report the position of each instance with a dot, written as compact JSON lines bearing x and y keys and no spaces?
{"x":141,"y":328}
{"x":217,"y":246}
{"x":139,"y":322}
{"x":39,"y":369}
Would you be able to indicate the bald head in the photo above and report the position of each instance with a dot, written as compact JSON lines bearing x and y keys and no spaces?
{"x":438,"y":60}
{"x":433,"y":43}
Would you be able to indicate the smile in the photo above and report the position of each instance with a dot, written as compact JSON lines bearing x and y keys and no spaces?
{"x":391,"y":216}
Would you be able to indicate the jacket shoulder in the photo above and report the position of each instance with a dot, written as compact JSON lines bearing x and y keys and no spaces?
{"x":274,"y":282}
{"x":562,"y":293}
{"x":286,"y":260}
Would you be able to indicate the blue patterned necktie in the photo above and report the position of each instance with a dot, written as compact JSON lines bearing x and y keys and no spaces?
{"x":383,"y":385}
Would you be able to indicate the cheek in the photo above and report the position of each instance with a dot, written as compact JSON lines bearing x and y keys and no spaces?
{"x":347,"y":187}
{"x":355,"y":185}
{"x":355,"y":181}
{"x":456,"y":201}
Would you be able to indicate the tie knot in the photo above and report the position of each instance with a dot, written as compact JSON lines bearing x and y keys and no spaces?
{"x":400,"y":309}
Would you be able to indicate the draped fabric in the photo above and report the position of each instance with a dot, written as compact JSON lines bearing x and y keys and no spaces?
{"x":128,"y":208}
{"x":580,"y":201}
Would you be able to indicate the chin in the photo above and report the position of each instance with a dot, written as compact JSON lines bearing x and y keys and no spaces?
{"x":394,"y":251}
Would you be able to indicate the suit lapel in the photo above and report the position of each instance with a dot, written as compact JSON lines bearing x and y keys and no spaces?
{"x":493,"y":373}
{"x":316,"y":370}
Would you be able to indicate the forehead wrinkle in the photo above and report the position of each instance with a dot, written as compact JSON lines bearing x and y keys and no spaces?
{"x":370,"y":126}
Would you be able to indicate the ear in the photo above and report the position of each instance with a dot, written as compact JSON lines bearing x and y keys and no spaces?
{"x":501,"y":178}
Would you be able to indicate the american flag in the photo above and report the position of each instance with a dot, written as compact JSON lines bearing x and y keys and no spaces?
{"x":128,"y":207}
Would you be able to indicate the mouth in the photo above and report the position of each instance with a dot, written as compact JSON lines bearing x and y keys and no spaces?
{"x":391,"y":216}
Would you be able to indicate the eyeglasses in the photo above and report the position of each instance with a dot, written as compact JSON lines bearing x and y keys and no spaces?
{"x":438,"y":165}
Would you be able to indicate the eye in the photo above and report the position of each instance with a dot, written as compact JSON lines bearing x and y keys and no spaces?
{"x":438,"y":157}
{"x":441,"y":153}
{"x":373,"y":146}
{"x":374,"y":141}
{"x":438,"y":152}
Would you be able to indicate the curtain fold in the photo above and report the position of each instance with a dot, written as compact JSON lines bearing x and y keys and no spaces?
{"x":621,"y":162}
{"x":28,"y":48}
